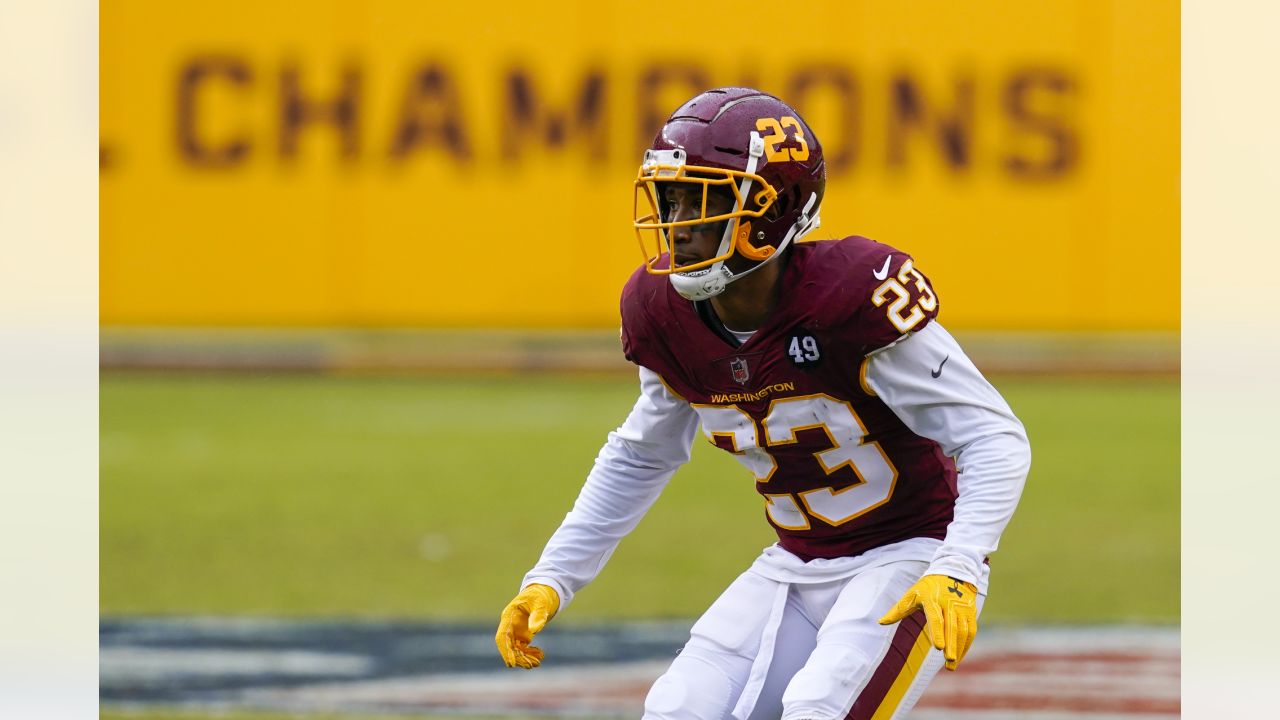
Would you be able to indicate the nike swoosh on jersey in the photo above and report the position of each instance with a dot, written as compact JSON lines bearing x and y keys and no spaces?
{"x":883,"y":272}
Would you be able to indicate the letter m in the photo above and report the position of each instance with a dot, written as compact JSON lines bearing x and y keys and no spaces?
{"x":527,"y":116}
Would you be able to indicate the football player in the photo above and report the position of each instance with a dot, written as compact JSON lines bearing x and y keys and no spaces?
{"x":887,"y":464}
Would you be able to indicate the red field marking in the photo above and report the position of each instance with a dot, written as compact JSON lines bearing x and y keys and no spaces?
{"x":1117,"y":682}
{"x":1041,"y":684}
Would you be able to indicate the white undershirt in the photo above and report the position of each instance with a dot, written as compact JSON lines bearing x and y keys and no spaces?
{"x":959,"y":410}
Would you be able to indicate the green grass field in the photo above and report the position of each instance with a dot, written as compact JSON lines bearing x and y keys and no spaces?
{"x":342,"y":496}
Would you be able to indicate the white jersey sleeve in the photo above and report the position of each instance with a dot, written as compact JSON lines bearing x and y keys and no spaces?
{"x":629,"y":473}
{"x":933,"y":387}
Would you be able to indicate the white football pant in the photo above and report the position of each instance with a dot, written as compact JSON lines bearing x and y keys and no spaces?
{"x":802,"y":651}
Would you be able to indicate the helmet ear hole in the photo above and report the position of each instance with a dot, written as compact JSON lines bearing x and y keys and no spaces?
{"x":784,"y":204}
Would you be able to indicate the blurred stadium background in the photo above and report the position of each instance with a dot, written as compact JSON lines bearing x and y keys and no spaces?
{"x":360,"y":262}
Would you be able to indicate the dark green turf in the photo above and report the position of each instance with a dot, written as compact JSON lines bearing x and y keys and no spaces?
{"x":307,"y":495}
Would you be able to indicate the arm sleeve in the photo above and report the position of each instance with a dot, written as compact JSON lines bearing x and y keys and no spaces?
{"x":965,"y":415}
{"x":630,"y":472}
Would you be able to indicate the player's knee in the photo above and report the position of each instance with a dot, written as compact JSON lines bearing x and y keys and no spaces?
{"x":667,"y":696}
{"x":694,"y":688}
{"x":823,"y":688}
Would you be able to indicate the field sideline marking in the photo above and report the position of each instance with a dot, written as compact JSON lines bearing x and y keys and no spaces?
{"x":1033,"y":673}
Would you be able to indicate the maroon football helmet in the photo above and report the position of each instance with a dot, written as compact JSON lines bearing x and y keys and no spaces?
{"x":739,"y":141}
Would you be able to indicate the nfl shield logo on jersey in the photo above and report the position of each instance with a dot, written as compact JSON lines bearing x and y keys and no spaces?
{"x":739,"y":368}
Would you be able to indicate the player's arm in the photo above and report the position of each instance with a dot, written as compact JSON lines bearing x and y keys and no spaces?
{"x":630,"y":472}
{"x":933,"y":387}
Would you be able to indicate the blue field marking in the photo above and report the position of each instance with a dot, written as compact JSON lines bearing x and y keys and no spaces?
{"x":216,"y":660}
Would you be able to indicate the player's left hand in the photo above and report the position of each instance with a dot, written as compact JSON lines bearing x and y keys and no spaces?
{"x":950,"y":611}
{"x":522,"y":618}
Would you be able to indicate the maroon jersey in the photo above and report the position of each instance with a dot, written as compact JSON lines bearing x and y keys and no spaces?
{"x":840,"y":473}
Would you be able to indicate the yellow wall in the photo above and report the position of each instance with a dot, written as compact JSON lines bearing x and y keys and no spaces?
{"x":368,"y":163}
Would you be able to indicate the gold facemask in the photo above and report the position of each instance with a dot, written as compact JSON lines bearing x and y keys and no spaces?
{"x":653,"y":234}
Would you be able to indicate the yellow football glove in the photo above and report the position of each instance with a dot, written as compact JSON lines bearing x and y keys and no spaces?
{"x":524,"y":617}
{"x":950,"y":610}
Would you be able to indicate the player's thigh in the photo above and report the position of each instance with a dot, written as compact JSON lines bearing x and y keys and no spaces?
{"x":857,"y":661}
{"x":795,"y":640}
{"x":908,"y":684}
{"x":707,"y":677}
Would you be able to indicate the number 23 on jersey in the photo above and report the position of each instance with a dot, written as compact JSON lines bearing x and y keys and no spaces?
{"x":902,"y":312}
{"x":846,"y":437}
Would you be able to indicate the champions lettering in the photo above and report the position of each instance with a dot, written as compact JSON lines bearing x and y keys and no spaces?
{"x":760,"y":394}
{"x":231,"y":110}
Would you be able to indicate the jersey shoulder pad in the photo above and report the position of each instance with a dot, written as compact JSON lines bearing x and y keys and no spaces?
{"x":882,"y":292}
{"x":642,"y":296}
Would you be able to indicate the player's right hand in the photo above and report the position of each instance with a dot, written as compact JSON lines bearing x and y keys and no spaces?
{"x":524,"y":617}
{"x":950,"y":610}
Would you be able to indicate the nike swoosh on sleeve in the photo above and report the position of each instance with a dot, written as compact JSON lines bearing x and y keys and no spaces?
{"x":883,"y":272}
{"x":938,"y":372}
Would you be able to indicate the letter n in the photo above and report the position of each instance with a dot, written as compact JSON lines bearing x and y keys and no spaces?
{"x":952,"y":128}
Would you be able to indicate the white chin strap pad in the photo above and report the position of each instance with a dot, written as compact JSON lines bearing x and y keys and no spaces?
{"x":702,"y":284}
